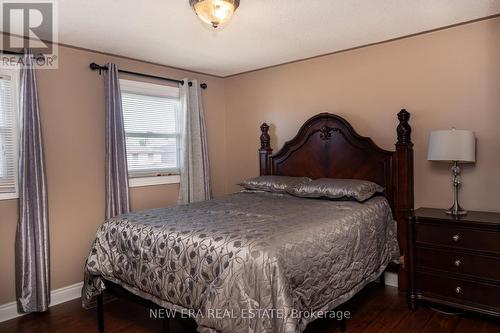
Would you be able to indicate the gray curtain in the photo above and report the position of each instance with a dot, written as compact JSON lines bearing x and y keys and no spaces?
{"x":32,"y":236}
{"x":195,"y":171}
{"x":117,"y":196}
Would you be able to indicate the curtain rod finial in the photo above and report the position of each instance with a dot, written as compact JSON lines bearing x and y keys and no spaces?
{"x":93,"y":66}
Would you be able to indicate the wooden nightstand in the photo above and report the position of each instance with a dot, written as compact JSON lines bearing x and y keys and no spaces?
{"x":455,"y":261}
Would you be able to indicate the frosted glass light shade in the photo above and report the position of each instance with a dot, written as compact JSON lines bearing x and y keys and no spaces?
{"x":214,"y":12}
{"x":452,"y":145}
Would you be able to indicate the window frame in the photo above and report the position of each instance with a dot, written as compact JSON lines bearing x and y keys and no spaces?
{"x":140,"y":178}
{"x":151,"y":181}
{"x":13,"y":74}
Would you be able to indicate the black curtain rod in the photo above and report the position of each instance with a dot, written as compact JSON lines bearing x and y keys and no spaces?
{"x":13,"y":53}
{"x":100,"y":68}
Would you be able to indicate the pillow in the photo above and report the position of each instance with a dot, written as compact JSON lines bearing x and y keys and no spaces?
{"x":333,"y":188}
{"x":278,"y":184}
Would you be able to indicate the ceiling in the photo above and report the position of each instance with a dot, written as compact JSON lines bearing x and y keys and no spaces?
{"x":262,"y":33}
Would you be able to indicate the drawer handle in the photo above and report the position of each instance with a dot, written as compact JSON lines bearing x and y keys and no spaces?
{"x":455,"y":238}
{"x":458,"y":290}
{"x":457,"y":263}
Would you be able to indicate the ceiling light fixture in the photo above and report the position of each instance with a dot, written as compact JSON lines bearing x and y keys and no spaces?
{"x":214,"y":12}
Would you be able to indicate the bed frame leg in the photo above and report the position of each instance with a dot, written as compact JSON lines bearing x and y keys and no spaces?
{"x":100,"y":314}
{"x":166,"y":325}
{"x":382,"y":279}
{"x":342,"y":325}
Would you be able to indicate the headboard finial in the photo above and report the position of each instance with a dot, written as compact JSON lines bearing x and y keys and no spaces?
{"x":265,"y":139}
{"x":404,"y":129}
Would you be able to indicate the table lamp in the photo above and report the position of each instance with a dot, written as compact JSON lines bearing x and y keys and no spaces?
{"x":455,"y":146}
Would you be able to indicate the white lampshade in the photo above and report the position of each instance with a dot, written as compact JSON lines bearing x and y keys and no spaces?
{"x":452,"y":145}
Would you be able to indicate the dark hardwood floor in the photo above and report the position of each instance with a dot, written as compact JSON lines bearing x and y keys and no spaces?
{"x":375,"y":309}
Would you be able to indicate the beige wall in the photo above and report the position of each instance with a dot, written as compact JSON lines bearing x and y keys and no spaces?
{"x":72,"y":110}
{"x":446,"y":78}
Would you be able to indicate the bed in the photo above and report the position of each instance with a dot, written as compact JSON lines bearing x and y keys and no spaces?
{"x":266,"y":261}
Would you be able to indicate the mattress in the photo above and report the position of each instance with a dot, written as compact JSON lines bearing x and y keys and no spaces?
{"x":248,"y":262}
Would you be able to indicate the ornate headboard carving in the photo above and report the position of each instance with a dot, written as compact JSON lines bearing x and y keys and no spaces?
{"x":328,"y":146}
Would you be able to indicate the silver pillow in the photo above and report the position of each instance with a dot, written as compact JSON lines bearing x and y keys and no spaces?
{"x":334,"y":188}
{"x":278,"y":184}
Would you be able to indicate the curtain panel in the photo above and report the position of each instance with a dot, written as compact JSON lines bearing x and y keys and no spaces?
{"x":117,"y":194}
{"x":32,"y":236}
{"x":195,"y":170}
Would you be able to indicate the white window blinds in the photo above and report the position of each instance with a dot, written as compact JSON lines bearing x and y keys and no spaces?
{"x":151,"y":121}
{"x":8,"y":134}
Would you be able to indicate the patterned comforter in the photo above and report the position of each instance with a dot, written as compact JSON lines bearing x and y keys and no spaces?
{"x":262,"y":260}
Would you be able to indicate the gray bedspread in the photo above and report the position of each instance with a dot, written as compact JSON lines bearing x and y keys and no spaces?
{"x":263,"y":261}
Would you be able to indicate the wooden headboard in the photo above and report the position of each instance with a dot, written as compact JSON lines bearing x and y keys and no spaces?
{"x":328,"y":146}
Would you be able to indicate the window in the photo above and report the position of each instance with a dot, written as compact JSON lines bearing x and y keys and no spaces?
{"x":151,"y":116}
{"x":8,"y":133}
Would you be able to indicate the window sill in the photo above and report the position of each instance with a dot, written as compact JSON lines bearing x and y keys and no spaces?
{"x":152,"y":181}
{"x":9,"y":196}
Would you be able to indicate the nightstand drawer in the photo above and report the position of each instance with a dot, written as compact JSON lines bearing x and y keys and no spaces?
{"x":463,"y":291}
{"x":479,"y":266}
{"x":446,"y":235}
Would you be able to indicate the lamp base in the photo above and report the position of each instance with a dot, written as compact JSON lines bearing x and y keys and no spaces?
{"x":457,"y":213}
{"x":456,"y":210}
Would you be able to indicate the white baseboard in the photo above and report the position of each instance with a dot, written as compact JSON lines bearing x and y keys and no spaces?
{"x":57,"y":296}
{"x":391,"y":279}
